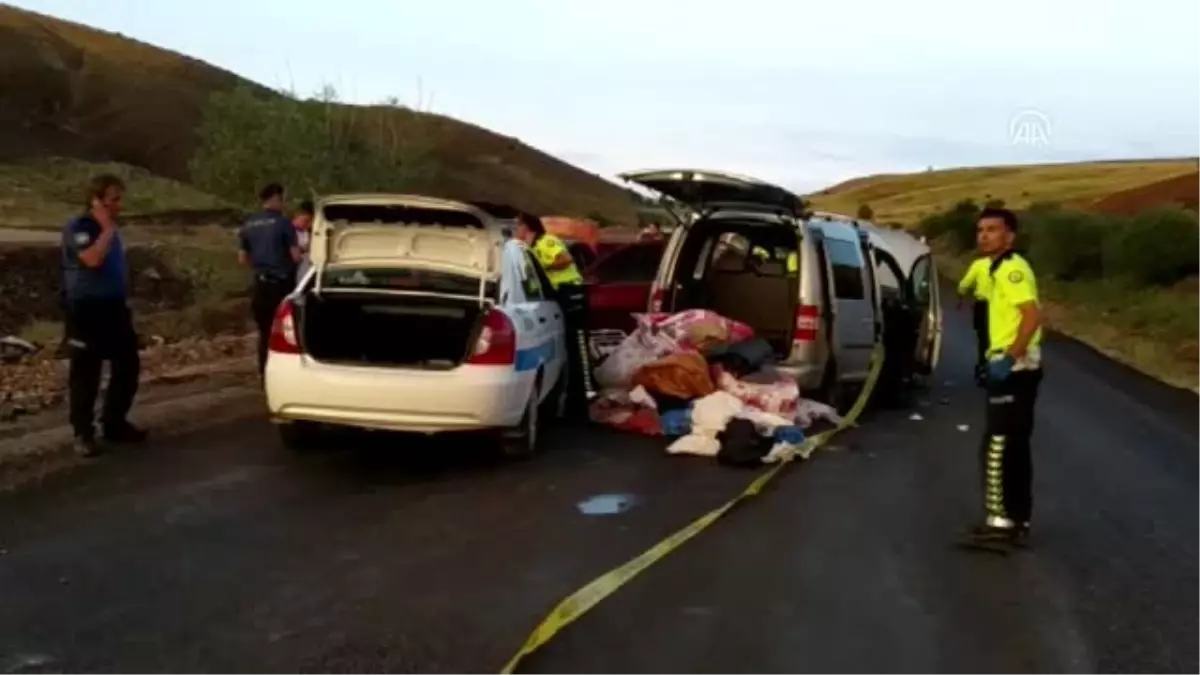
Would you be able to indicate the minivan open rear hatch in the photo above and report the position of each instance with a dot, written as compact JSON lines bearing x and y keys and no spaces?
{"x":703,"y":191}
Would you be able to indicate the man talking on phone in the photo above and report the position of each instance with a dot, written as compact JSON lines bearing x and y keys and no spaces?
{"x":99,"y":326}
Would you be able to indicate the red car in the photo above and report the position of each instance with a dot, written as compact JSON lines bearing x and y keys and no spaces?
{"x":619,"y":277}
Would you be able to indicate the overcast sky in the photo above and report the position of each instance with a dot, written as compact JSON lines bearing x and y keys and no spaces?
{"x":799,"y":92}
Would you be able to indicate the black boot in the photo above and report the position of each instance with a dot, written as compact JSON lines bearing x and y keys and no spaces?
{"x":988,"y":538}
{"x":85,"y":445}
{"x":1020,"y":536}
{"x":124,"y":432}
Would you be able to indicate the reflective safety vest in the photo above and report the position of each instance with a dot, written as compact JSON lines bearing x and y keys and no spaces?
{"x":1013,"y":285}
{"x":547,"y":249}
{"x":977,"y":279}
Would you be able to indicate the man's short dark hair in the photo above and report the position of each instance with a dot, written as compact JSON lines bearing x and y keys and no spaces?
{"x":270,"y":190}
{"x":1009,"y":218}
{"x":99,"y":185}
{"x":305,"y":207}
{"x":531,"y":221}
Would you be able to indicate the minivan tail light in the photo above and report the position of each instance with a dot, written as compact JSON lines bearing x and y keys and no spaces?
{"x":497,"y":341}
{"x":808,"y":322}
{"x":283,"y":330}
{"x":656,"y":300}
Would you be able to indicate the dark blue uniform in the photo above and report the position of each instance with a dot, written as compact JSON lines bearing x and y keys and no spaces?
{"x":267,"y":239}
{"x":99,"y":327}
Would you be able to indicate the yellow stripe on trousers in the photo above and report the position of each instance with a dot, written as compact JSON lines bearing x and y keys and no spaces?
{"x":583,"y":600}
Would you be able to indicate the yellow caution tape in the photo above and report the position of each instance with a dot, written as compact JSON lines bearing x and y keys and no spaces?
{"x":581,"y":601}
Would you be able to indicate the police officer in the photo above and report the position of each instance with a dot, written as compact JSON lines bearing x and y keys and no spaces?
{"x":99,"y":326}
{"x":571,"y":295}
{"x":977,"y":282}
{"x":269,"y":246}
{"x":1014,"y":373}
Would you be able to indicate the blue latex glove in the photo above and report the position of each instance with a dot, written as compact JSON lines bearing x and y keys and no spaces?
{"x":999,"y":369}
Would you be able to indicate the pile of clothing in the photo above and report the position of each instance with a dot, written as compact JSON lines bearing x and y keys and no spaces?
{"x":707,"y":383}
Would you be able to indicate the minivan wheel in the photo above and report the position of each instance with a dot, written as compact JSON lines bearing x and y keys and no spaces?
{"x":833,"y":392}
{"x":522,"y":440}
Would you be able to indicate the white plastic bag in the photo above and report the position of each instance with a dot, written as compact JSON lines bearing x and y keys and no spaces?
{"x":809,"y":411}
{"x":695,"y":444}
{"x":636,"y":350}
{"x":709,"y":417}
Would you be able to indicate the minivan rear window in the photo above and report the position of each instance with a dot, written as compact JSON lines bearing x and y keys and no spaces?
{"x":846,"y":260}
{"x":405,"y":280}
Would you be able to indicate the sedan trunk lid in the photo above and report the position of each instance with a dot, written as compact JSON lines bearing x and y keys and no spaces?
{"x":405,"y":231}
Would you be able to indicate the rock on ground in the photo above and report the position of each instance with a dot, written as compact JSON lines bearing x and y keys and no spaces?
{"x":40,"y":382}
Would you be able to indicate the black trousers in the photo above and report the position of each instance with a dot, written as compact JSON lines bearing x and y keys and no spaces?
{"x":1006,"y":460}
{"x":267,"y":294}
{"x":99,"y":331}
{"x":573,"y":300}
{"x":979,"y":320}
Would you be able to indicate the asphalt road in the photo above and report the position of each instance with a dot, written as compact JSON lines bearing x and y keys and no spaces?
{"x":221,"y":552}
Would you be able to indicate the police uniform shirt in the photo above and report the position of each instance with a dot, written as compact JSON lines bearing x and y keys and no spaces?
{"x":978,"y":279}
{"x":267,"y":238}
{"x":1013,"y":285}
{"x":109,"y":280}
{"x":547,"y":249}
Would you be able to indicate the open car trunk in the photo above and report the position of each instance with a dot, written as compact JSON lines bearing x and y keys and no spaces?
{"x":376,"y":329}
{"x":718,"y":271}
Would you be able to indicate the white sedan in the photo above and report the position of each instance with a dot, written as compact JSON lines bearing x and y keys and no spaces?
{"x":417,"y":315}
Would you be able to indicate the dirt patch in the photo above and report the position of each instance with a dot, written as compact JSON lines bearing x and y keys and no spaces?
{"x":40,"y":383}
{"x":1180,"y":190}
{"x":31,"y":285}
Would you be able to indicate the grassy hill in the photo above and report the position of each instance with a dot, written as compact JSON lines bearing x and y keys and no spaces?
{"x":77,"y":92}
{"x":46,"y":191}
{"x":1183,"y":190}
{"x":906,"y":198}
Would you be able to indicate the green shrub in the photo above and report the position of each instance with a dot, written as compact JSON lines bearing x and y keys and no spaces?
{"x":865,"y":212}
{"x":955,"y":226}
{"x":318,"y":145}
{"x":1065,"y":245}
{"x":1156,"y":247}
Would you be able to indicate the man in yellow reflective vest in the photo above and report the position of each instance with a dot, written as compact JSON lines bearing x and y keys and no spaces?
{"x":1013,"y":376}
{"x":977,"y":282}
{"x":571,"y":294}
{"x":792,"y":260}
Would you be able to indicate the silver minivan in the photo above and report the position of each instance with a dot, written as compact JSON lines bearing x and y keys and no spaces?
{"x":806,"y":284}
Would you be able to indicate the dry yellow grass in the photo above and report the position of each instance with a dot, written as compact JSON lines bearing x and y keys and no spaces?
{"x":906,"y":198}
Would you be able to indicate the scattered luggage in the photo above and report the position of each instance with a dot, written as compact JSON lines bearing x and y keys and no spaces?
{"x":709,"y":385}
